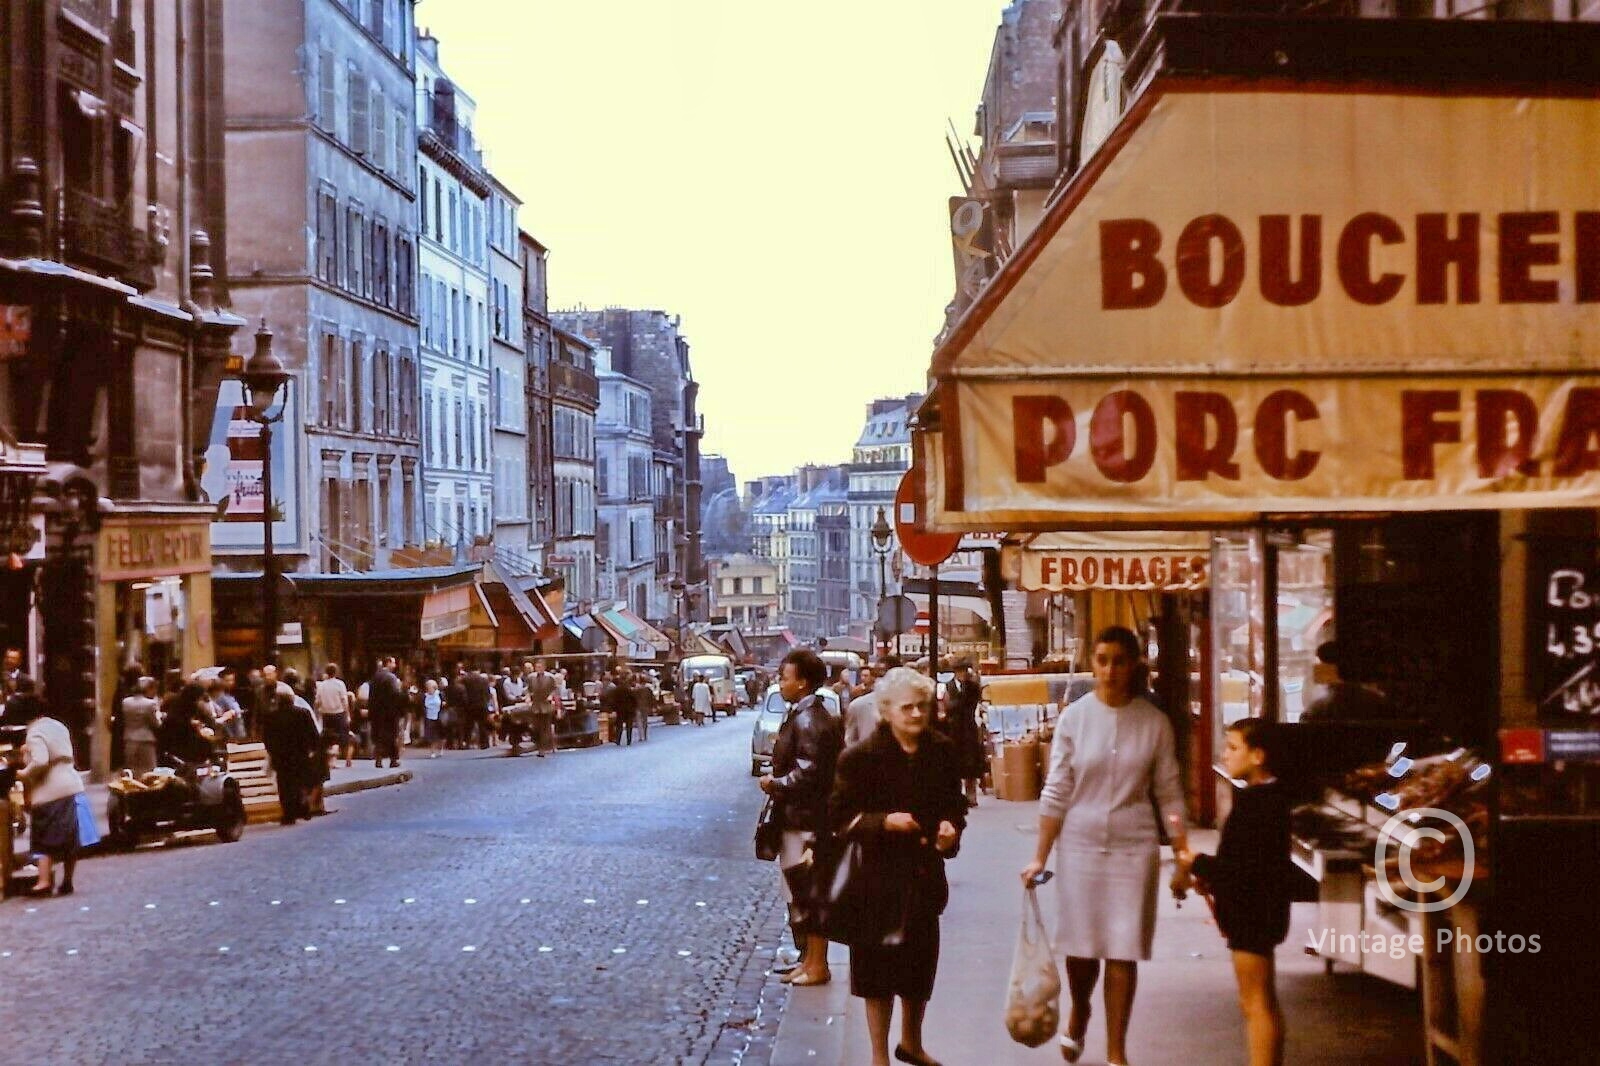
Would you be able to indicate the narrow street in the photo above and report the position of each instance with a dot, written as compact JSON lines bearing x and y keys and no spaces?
{"x":597,"y":907}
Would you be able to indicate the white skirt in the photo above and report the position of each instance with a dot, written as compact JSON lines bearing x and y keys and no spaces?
{"x":1107,"y":902}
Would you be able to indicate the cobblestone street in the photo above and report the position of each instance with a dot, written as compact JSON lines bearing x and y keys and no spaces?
{"x":598,"y":907}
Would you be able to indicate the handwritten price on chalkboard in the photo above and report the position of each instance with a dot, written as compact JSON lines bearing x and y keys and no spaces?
{"x":1569,"y":642}
{"x":1572,"y":638}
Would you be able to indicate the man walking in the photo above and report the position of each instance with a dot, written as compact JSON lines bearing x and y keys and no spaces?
{"x":477,"y":692}
{"x":618,"y":702}
{"x":542,"y":687}
{"x":333,"y":704}
{"x":386,"y":703}
{"x":700,"y":698}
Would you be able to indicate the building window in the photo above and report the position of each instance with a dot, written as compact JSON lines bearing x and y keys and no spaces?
{"x":361,"y":393}
{"x":328,"y":381}
{"x":327,"y":93}
{"x":355,"y":249}
{"x":431,"y":452}
{"x":327,"y":236}
{"x":359,"y":105}
{"x":380,"y":130}
{"x":383,"y":404}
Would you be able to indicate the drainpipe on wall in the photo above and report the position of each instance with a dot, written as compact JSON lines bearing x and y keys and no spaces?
{"x":191,"y":484}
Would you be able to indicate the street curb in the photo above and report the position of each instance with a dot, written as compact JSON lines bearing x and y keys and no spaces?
{"x":344,"y":788}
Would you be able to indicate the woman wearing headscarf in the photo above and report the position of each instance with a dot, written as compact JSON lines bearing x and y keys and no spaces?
{"x":1113,"y":750}
{"x":187,"y":732}
{"x":899,"y":794}
{"x":804,"y":755}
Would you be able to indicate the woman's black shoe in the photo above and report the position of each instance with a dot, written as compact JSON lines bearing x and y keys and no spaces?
{"x":65,"y":889}
{"x":915,"y":1060}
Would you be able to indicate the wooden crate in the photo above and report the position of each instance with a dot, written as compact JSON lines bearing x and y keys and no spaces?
{"x":258,"y":785}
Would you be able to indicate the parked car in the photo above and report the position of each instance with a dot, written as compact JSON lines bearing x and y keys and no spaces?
{"x":769,"y":719}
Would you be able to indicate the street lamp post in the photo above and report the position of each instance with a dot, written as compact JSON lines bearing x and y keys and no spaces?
{"x":677,"y":588}
{"x":264,"y":378}
{"x":882,"y":535}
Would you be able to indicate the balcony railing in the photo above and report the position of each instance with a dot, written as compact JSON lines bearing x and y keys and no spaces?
{"x":97,"y":234}
{"x":96,"y":13}
{"x":568,"y":380}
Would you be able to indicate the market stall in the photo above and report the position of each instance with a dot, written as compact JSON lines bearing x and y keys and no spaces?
{"x":1340,"y":312}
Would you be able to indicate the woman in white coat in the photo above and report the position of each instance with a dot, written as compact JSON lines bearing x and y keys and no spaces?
{"x":1113,"y":751}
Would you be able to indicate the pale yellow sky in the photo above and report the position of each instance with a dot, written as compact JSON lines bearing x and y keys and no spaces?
{"x":774,"y":172}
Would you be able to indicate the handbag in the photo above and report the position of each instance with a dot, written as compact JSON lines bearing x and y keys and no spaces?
{"x":769,"y":832}
{"x":848,"y":910}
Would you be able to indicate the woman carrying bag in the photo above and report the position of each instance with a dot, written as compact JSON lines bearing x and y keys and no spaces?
{"x":1113,"y":751}
{"x":804,"y":755}
{"x":897,"y":801}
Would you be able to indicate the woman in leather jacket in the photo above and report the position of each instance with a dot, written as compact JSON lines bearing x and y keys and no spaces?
{"x":804,"y":755}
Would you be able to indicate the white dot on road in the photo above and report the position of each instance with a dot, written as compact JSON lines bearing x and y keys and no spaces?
{"x":149,"y":906}
{"x":311,"y":949}
{"x":277,"y":903}
{"x":72,"y":951}
{"x":469,"y":902}
{"x":685,"y":954}
{"x":589,"y":902}
{"x":392,"y":947}
{"x":469,"y":947}
{"x":409,"y":899}
{"x":642,"y":902}
{"x":84,"y":907}
{"x":543,"y":950}
{"x":35,"y":910}
{"x":214,"y":903}
{"x":700,"y":903}
{"x":222,"y":950}
{"x":337,"y":902}
{"x":619,"y":951}
{"x":524,"y":901}
{"x":5,"y":954}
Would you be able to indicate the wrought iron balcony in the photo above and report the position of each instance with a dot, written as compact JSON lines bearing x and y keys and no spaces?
{"x":97,"y":235}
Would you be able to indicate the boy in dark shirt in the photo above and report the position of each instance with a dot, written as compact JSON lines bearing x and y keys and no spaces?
{"x":1249,"y":879}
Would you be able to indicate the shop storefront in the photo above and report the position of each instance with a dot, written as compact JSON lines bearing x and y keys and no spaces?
{"x":152,"y":602}
{"x":1345,"y":318}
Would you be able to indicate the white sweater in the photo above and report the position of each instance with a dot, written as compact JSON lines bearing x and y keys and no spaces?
{"x":50,"y":774}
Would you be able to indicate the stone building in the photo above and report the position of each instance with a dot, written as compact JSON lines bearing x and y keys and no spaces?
{"x":508,"y":399}
{"x":833,"y":556}
{"x":881,"y":456}
{"x":537,"y":344}
{"x":649,"y":346}
{"x":321,"y":243}
{"x":574,"y":399}
{"x":744,"y":593}
{"x":113,"y":342}
{"x":625,"y":544}
{"x":453,"y":203}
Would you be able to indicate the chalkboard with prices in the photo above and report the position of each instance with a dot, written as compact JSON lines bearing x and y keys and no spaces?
{"x":1565,"y":653}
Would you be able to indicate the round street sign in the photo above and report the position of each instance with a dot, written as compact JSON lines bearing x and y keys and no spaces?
{"x":897,"y":614}
{"x":928,"y":549}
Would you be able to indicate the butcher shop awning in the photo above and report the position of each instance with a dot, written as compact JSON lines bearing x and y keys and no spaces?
{"x":1326,"y":283}
{"x":1154,"y":561}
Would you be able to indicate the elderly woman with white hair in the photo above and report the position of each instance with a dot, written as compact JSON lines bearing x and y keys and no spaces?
{"x":898,"y":793}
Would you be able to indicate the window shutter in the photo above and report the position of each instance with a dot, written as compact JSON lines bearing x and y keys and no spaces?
{"x":380,"y":131}
{"x":402,"y":171}
{"x":327,"y":95}
{"x":360,"y":122}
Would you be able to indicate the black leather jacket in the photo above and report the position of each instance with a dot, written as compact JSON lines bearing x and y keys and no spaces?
{"x":803,"y":759}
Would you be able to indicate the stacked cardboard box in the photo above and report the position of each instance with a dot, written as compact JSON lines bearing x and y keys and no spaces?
{"x":1014,"y":768}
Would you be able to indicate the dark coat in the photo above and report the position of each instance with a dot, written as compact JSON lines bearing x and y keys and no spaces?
{"x":962,"y":729}
{"x":876,"y":778}
{"x":804,"y":755}
{"x":386,"y":699}
{"x":1250,"y":875}
{"x":292,"y":744}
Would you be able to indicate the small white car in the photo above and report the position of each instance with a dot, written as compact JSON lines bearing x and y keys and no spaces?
{"x":769,"y":719}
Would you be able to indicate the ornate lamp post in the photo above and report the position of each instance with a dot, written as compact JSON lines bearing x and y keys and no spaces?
{"x":882,"y":536}
{"x":264,"y":379}
{"x":677,"y":588}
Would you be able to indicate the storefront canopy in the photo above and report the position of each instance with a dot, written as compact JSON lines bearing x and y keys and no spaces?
{"x":1154,"y":561}
{"x":1298,"y":277}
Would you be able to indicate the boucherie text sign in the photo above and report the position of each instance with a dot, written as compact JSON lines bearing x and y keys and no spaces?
{"x":1292,"y":301}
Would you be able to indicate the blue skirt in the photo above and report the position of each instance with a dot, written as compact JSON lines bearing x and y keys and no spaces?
{"x":54,"y":828}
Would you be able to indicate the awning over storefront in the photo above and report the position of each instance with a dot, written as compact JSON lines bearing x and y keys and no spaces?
{"x":1155,"y":561}
{"x":645,"y":631}
{"x":446,"y":612}
{"x":1282,"y":290}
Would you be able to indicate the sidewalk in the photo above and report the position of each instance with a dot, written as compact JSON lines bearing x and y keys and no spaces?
{"x":1185,"y":1011}
{"x":359,"y":778}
